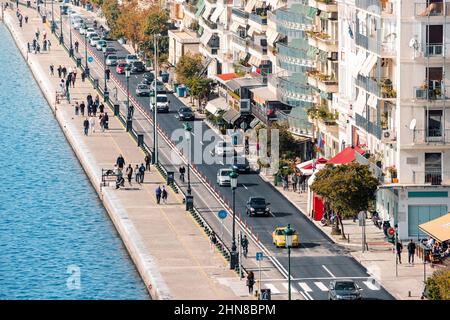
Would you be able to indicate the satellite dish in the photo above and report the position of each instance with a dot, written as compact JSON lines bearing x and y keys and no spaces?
{"x":412,"y":125}
{"x":413,"y":43}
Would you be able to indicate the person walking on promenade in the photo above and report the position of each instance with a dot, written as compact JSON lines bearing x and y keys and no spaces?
{"x":213,"y":241}
{"x":105,"y":121}
{"x":137,"y":174}
{"x":101,"y":108}
{"x":411,"y":251}
{"x":37,"y":34}
{"x":67,"y":84}
{"x":120,"y":162}
{"x":69,"y":78}
{"x":94,"y":108}
{"x":294,"y":180}
{"x":76,"y":46}
{"x":399,"y":248}
{"x":244,"y":243}
{"x":141,"y":173}
{"x":48,"y":44}
{"x":34,"y":44}
{"x":64,"y":72}
{"x":38,"y":48}
{"x":158,"y":194}
{"x":52,"y":70}
{"x":129,"y":173}
{"x":44,"y":45}
{"x":59,"y":71}
{"x":97,"y":101}
{"x":82,"y":106}
{"x":44,"y":35}
{"x":250,"y":282}
{"x":164,"y":194}
{"x":147,"y":161}
{"x":182,"y":170}
{"x":83,"y":76}
{"x":100,"y":122}
{"x":86,"y":126}
{"x":74,"y":77}
{"x":77,"y":108}
{"x":89,"y":99}
{"x":26,"y":19}
{"x":92,"y":124}
{"x":29,"y":47}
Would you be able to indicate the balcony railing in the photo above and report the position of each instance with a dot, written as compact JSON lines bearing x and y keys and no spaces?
{"x":191,"y":8}
{"x":436,"y":49}
{"x":261,"y":49}
{"x":241,"y":41}
{"x":432,"y":9}
{"x":239,"y":13}
{"x":212,"y":1}
{"x":289,"y":91}
{"x":292,"y":20}
{"x":442,"y":93}
{"x":380,"y":89}
{"x":369,"y":126}
{"x":210,"y":24}
{"x":258,"y":19}
{"x":433,"y":177}
{"x":376,"y":6}
{"x":431,"y":136}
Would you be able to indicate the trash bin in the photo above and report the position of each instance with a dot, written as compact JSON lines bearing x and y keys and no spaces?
{"x":175,"y":86}
{"x":277,"y":180}
{"x":165,"y":77}
{"x":181,"y":91}
{"x":44,"y":19}
{"x":88,"y":7}
{"x":140,"y":139}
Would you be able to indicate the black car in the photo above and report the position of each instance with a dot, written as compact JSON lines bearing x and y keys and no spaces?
{"x":257,"y":206}
{"x":186,"y":114}
{"x":240,"y":164}
{"x":344,"y":290}
{"x":137,"y":66}
{"x":148,"y":78}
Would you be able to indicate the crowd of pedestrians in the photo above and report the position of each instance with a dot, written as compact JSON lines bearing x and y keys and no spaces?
{"x":92,"y":108}
{"x":121,"y":173}
{"x":35,"y":45}
{"x":297,"y":181}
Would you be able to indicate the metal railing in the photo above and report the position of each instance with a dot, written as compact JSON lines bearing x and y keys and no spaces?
{"x":258,"y":19}
{"x":369,"y":126}
{"x":373,"y":86}
{"x":421,"y":93}
{"x":432,"y":9}
{"x":431,"y":135}
{"x":436,"y":49}
{"x":433,"y":177}
{"x":241,"y":41}
{"x":239,"y":13}
{"x":190,"y":7}
{"x":257,"y":47}
{"x":210,"y":24}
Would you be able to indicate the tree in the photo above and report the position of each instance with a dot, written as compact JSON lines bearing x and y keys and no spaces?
{"x":188,"y":66}
{"x":111,"y":10}
{"x":200,"y":88}
{"x":438,"y":285}
{"x":348,"y":189}
{"x":131,"y":21}
{"x":288,"y":145}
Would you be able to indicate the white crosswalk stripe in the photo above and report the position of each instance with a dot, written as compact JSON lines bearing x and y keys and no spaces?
{"x":371,"y":285}
{"x":305,"y":286}
{"x":321,"y":286}
{"x":273,"y":289}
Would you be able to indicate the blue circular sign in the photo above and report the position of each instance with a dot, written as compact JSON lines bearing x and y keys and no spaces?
{"x":90,"y":59}
{"x":222,"y":214}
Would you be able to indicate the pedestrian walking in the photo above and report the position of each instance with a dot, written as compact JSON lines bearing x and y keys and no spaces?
{"x":76,"y":46}
{"x":52,"y":70}
{"x":44,"y":45}
{"x":250,"y":281}
{"x":164,"y":194}
{"x":158,"y":194}
{"x":83,"y":76}
{"x":105,"y":121}
{"x":101,"y":108}
{"x":399,"y":248}
{"x":120,"y":162}
{"x":64,"y":72}
{"x":97,"y":100}
{"x":129,"y":173}
{"x":44,"y":35}
{"x":137,"y":174}
{"x":100,"y":121}
{"x":74,"y":77}
{"x":89,"y":99}
{"x":67,"y":84}
{"x":49,"y":44}
{"x":411,"y":251}
{"x":69,"y":78}
{"x":26,"y":19}
{"x":38,"y":48}
{"x":94,"y":109}
{"x":213,"y":241}
{"x":86,"y":126}
{"x":77,"y":108}
{"x":37,"y":34}
{"x":82,"y":106}
{"x":92,"y":124}
{"x":244,"y":243}
{"x":29,"y":47}
{"x":182,"y":170}
{"x":141,"y":173}
{"x":302,"y":183}
{"x":294,"y":180}
{"x":59,"y":71}
{"x":147,"y":161}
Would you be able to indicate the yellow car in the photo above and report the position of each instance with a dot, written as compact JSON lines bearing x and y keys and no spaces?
{"x":279,"y":238}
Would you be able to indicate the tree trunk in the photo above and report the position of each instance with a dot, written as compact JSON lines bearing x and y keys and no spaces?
{"x":342,"y":227}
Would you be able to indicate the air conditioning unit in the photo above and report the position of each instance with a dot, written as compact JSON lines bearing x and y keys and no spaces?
{"x":388,"y":136}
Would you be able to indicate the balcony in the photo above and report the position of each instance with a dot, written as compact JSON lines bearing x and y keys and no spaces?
{"x":211,"y":25}
{"x":382,"y":88}
{"x":324,"y":5}
{"x":385,"y":49}
{"x":240,"y":41}
{"x":423,"y":136}
{"x":377,"y":7}
{"x":292,"y":93}
{"x":369,"y":126}
{"x":436,"y":9}
{"x":422,"y":93}
{"x":291,"y":23}
{"x":259,"y":19}
{"x":240,"y":13}
{"x":322,"y":81}
{"x":431,"y":177}
{"x":294,"y":56}
{"x":257,"y":47}
{"x":433,"y":50}
{"x":322,"y":41}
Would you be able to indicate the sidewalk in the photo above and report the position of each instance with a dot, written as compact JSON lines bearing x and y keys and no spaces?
{"x":170,"y":251}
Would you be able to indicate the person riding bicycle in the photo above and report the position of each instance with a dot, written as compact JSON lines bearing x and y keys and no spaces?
{"x":244,"y":243}
{"x":182,"y":170}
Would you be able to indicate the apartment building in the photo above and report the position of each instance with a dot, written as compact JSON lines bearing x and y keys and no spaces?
{"x":393,"y":98}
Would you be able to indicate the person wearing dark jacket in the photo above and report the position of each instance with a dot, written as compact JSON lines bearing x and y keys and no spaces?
{"x":120,"y":162}
{"x":411,"y":251}
{"x":86,"y":126}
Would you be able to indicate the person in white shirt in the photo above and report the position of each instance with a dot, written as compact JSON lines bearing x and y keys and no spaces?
{"x":92,"y":124}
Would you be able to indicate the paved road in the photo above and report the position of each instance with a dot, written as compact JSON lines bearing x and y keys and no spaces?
{"x":313,"y":265}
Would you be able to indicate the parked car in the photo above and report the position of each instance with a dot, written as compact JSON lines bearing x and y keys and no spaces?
{"x":108,"y":50}
{"x":111,"y":60}
{"x":131,"y":58}
{"x":90,"y":31}
{"x":83,"y":29}
{"x":101,"y":44}
{"x":257,"y":206}
{"x":279,"y":238}
{"x":223,"y":148}
{"x":240,"y":164}
{"x":142,"y":90}
{"x":94,"y":40}
{"x":186,"y":114}
{"x":120,"y":69}
{"x":223,"y":177}
{"x":344,"y":290}
{"x":159,"y":86}
{"x":77,"y":23}
{"x":137,"y":66}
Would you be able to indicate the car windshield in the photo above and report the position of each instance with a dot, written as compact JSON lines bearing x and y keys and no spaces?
{"x":111,"y":57}
{"x":347,"y":286}
{"x":110,"y":49}
{"x":225,"y":173}
{"x":131,"y":57}
{"x":280,"y":232}
{"x":239,"y":160}
{"x":142,"y":86}
{"x":185,"y":110}
{"x":161,"y":99}
{"x":138,"y":64}
{"x":258,"y":201}
{"x":121,"y":65}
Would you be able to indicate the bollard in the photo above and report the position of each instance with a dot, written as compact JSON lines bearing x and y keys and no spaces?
{"x":409,"y":294}
{"x":348,"y":237}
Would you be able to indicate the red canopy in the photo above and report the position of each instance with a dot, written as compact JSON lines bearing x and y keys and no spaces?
{"x":346,"y":156}
{"x":309,"y":166}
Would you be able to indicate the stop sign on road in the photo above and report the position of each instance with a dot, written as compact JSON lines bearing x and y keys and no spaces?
{"x":391,"y":231}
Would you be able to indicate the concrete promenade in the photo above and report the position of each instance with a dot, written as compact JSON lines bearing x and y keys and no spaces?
{"x":170,"y":251}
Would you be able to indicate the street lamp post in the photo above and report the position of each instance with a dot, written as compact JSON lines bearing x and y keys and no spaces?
{"x":289,"y":234}
{"x":86,"y":67}
{"x":127,"y":75}
{"x":155,"y":111}
{"x":233,"y":182}
{"x":187,"y":133}
{"x":70,"y":35}
{"x":105,"y":89}
{"x":61,"y":36}
{"x":53,"y":19}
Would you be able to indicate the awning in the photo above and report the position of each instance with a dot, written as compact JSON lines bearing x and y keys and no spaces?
{"x":272,"y":36}
{"x":254,"y":123}
{"x":206,"y":36}
{"x":250,"y":5}
{"x":231,"y":115}
{"x":216,"y":14}
{"x":215,"y":105}
{"x":207,"y":11}
{"x":360,"y":103}
{"x":200,"y":8}
{"x":360,"y":58}
{"x":254,"y":61}
{"x":346,"y":156}
{"x":308,"y":167}
{"x":368,"y":64}
{"x":438,"y":229}
{"x":372,"y":101}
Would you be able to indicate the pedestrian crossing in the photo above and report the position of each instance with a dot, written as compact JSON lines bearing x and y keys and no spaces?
{"x":314,"y":289}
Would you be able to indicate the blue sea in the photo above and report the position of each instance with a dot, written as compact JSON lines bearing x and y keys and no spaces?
{"x":56,"y":239}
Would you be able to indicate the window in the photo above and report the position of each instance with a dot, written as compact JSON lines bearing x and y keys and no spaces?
{"x":434,"y":39}
{"x":434,"y":121}
{"x":433,"y":168}
{"x":422,"y":214}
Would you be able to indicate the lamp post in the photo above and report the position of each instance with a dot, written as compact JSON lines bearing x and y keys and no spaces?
{"x":129,"y":115}
{"x":70,"y":35}
{"x":53,"y":19}
{"x":86,"y":67}
{"x":61,"y":37}
{"x":105,"y":89}
{"x":187,"y":134}
{"x":288,"y":236}
{"x":155,"y":111}
{"x":233,"y":182}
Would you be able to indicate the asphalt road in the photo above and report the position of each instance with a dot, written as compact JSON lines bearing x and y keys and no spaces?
{"x":317,"y":259}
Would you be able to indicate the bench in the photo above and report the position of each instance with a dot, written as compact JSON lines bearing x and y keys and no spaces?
{"x":107,"y":174}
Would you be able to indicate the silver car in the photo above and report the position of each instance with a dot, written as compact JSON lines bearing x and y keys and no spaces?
{"x":111,"y":60}
{"x":101,"y":44}
{"x":142,"y":90}
{"x":94,"y":40}
{"x":131,"y":58}
{"x":344,"y":290}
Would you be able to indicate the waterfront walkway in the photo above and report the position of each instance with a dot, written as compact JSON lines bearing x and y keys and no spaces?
{"x":170,"y":251}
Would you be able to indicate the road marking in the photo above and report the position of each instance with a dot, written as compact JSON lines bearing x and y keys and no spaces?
{"x":201,"y":142}
{"x":272,"y":288}
{"x":304,"y":295}
{"x":329,"y":272}
{"x":321,"y":286}
{"x":245,"y":187}
{"x":371,"y":286}
{"x":305,"y":286}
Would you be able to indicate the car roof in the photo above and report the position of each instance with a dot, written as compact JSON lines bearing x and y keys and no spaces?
{"x":257,"y":198}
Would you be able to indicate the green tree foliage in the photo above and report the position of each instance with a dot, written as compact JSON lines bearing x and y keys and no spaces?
{"x":200,"y":88}
{"x":111,"y":10}
{"x":288,"y":145}
{"x":438,"y":285}
{"x":348,"y":189}
{"x":188,"y":67}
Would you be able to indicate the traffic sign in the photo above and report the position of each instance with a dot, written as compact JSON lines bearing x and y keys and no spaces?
{"x":90,"y":59}
{"x":391,"y":231}
{"x":259,"y":256}
{"x":222,"y":214}
{"x":362,"y":218}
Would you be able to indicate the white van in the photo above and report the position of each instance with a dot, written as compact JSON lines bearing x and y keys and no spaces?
{"x":223,"y":177}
